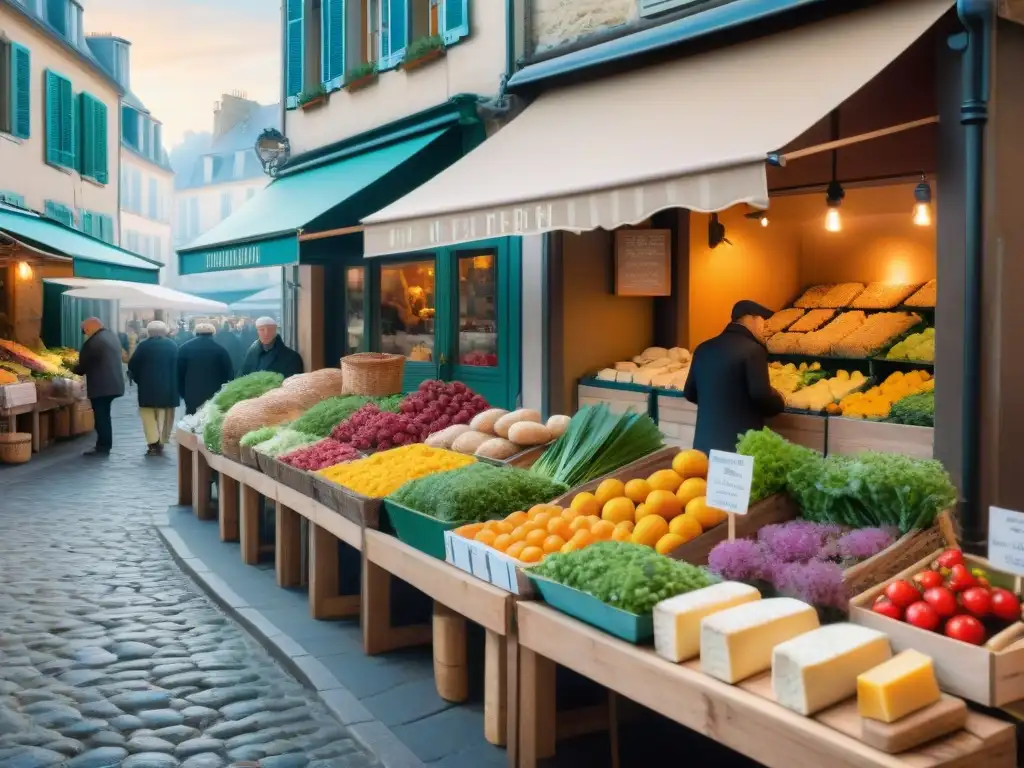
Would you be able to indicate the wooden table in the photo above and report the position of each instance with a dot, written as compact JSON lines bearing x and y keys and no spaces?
{"x":458,"y":597}
{"x":737,"y":716}
{"x":187,"y":446}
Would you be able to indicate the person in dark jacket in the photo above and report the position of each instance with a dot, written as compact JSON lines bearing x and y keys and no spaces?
{"x":99,"y":360}
{"x":728,"y":381}
{"x":204,"y":366}
{"x":269,"y":353}
{"x":154,"y":368}
{"x":232,"y":344}
{"x":183,"y":335}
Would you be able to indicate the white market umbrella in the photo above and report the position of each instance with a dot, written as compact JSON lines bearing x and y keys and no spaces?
{"x":138,"y":295}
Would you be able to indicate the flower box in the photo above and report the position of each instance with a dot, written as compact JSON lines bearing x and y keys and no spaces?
{"x":361,"y":82}
{"x":313,"y":103}
{"x":422,"y":59}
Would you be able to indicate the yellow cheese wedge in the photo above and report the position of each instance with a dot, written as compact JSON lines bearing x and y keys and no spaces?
{"x":897,"y":688}
{"x":816,"y":670}
{"x":737,"y":643}
{"x":677,"y":620}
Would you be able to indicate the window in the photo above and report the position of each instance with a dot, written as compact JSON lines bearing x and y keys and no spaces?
{"x":394,"y":30}
{"x":478,"y":332}
{"x":93,"y":119}
{"x":15,"y":89}
{"x":239,"y":169}
{"x":332,"y":54}
{"x":59,"y":212}
{"x":407,"y":310}
{"x":76,"y":34}
{"x":133,"y":241}
{"x":295,"y":54}
{"x":98,"y":225}
{"x":57,"y":15}
{"x":130,"y":126}
{"x":158,"y":147}
{"x":147,"y":136}
{"x":12,"y":198}
{"x":208,"y":169}
{"x":154,"y":200}
{"x":60,"y":121}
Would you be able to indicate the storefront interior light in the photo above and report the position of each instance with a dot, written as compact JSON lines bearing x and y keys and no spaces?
{"x":834,"y":198}
{"x":761,"y":217}
{"x":923,"y":204}
{"x":24,"y":270}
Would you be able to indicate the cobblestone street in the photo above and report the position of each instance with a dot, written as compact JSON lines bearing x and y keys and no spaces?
{"x":109,"y":655}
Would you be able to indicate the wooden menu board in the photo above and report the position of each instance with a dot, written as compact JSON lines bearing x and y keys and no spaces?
{"x":643,"y":262}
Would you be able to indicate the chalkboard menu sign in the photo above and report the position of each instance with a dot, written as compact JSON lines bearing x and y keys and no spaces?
{"x":643,"y":262}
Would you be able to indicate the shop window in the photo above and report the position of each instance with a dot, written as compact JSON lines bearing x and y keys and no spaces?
{"x":355,"y":315}
{"x":478,"y":316}
{"x":407,"y":296}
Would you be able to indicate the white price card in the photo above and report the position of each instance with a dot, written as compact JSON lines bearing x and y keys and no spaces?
{"x":1006,"y":540}
{"x":729,"y":479}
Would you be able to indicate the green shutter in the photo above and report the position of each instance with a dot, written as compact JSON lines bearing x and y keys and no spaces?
{"x":295,"y":54}
{"x":106,"y":229}
{"x":394,"y":30}
{"x":332,"y":38}
{"x":83,"y":110}
{"x":12,"y":198}
{"x":59,"y":212}
{"x":99,"y":162}
{"x":456,"y":20}
{"x":68,"y":126}
{"x":88,"y":223}
{"x":21,"y":81}
{"x":158,"y":150}
{"x":53,"y":139}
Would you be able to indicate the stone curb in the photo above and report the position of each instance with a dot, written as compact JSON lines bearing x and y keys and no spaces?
{"x":310,"y":671}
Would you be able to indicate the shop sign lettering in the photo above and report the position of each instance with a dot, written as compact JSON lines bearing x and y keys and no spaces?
{"x":233,"y":258}
{"x":520,"y":220}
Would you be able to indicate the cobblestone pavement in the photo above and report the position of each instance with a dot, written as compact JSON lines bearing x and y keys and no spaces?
{"x":109,"y":655}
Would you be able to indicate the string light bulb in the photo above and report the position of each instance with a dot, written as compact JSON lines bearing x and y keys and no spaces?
{"x":833,"y":199}
{"x":24,"y":270}
{"x":923,"y":204}
{"x":761,"y":217}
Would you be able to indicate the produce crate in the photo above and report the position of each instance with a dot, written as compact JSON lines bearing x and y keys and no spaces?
{"x":62,"y":423}
{"x":296,"y":479}
{"x":522,"y":460}
{"x":848,"y":436}
{"x":15,"y":395}
{"x":587,"y":608}
{"x":248,"y":456}
{"x":618,"y":397}
{"x":643,"y":467}
{"x":987,"y":677}
{"x":83,"y":421}
{"x":487,"y":563}
{"x":418,"y":530}
{"x":677,"y":417}
{"x":802,"y":429}
{"x":267,"y":464}
{"x":364,"y":511}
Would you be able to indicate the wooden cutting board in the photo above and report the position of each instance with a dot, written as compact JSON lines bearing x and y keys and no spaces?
{"x":945,"y":716}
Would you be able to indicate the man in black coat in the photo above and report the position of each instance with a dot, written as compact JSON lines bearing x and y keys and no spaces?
{"x":232,"y":344}
{"x":269,"y":353}
{"x":99,"y":360}
{"x":204,"y":366}
{"x":728,"y":381}
{"x":154,"y":368}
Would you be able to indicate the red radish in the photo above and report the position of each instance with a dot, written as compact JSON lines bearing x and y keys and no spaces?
{"x":966,"y":629}
{"x":903,"y":593}
{"x":923,"y":616}
{"x":942,"y":600}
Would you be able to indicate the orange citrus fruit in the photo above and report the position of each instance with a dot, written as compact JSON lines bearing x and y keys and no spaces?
{"x":516,"y":549}
{"x":664,"y":480}
{"x":553,"y":543}
{"x":618,"y":509}
{"x":686,"y":527}
{"x":517,"y":518}
{"x":585,"y":504}
{"x":570,"y":514}
{"x":664,"y":504}
{"x":609,"y":489}
{"x":471,"y":530}
{"x":536,"y":537}
{"x":486,"y":537}
{"x":602,"y":530}
{"x":502,"y":542}
{"x":690,"y":463}
{"x":519,"y":534}
{"x":541,"y":519}
{"x":582,"y":538}
{"x":581,"y":523}
{"x":642,"y":511}
{"x":667,"y":543}
{"x":621,"y":534}
{"x":627,"y":525}
{"x":531,"y":555}
{"x":691,"y":488}
{"x":541,"y":509}
{"x":637,"y":490}
{"x":708,"y":517}
{"x":559,"y":526}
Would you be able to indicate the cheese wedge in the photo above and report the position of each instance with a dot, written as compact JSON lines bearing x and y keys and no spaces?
{"x":899,"y":687}
{"x":737,"y":643}
{"x":816,"y":670}
{"x":677,"y":620}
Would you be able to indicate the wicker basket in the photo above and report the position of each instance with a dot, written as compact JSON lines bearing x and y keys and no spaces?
{"x":15,"y":448}
{"x":372,"y":374}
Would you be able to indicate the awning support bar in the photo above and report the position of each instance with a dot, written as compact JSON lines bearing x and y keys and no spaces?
{"x":830,"y":146}
{"x":303,"y":237}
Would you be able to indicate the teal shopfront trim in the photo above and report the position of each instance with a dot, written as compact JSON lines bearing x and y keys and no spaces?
{"x":101,"y":271}
{"x":278,"y":252}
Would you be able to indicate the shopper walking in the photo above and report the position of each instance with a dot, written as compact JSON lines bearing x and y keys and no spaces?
{"x":728,"y":381}
{"x":204,"y":366}
{"x":99,"y":360}
{"x":269,"y":352}
{"x":154,"y":368}
{"x":232,"y":344}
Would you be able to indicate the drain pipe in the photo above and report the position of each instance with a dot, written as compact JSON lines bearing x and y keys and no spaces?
{"x":978,"y":18}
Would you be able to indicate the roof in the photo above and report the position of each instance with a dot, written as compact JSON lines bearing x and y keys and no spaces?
{"x":135,"y":102}
{"x":241,"y":137}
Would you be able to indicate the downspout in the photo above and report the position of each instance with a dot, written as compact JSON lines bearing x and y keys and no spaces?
{"x":510,"y":43}
{"x":978,"y":18}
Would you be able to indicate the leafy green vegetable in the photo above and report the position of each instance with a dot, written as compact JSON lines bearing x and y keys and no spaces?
{"x":258,"y":436}
{"x":246,"y":388}
{"x":597,"y":442}
{"x":212,"y":430}
{"x":917,"y":410}
{"x":774,"y":458}
{"x":325,"y":416}
{"x":811,"y":377}
{"x":476,"y":492}
{"x":285,"y":441}
{"x":630,"y":577}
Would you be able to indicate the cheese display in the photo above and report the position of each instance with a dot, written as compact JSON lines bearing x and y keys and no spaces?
{"x":782,"y":319}
{"x":677,"y":620}
{"x":882,"y":296}
{"x":654,"y":367}
{"x":925,"y":296}
{"x":878,"y":331}
{"x":738,"y":642}
{"x":820,"y":668}
{"x":897,"y":688}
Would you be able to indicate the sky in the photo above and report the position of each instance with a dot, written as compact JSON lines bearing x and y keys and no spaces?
{"x":185,"y":54}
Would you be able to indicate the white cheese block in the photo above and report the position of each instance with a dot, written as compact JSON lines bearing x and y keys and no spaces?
{"x":626,"y":367}
{"x":737,"y":643}
{"x":677,"y":620}
{"x":624,"y":377}
{"x":607,"y":374}
{"x":816,"y":670}
{"x":653,"y":353}
{"x":662,"y":380}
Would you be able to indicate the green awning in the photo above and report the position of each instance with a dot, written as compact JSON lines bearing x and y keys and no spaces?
{"x":90,"y":257}
{"x":229,"y":297}
{"x":264,"y":231}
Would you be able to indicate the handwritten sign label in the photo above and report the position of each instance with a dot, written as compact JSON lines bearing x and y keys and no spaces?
{"x":1006,"y":540}
{"x":729,"y":479}
{"x":643,"y":262}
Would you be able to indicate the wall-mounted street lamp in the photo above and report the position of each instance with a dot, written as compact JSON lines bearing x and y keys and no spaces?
{"x":273,"y":149}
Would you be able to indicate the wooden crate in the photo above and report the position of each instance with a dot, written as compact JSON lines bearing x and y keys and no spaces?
{"x":848,"y":436}
{"x":617,"y":400}
{"x":989,"y":678}
{"x":677,"y":419}
{"x":364,"y":511}
{"x":62,"y":423}
{"x":83,"y":421}
{"x":639,"y":468}
{"x":802,"y":429}
{"x":779,"y":508}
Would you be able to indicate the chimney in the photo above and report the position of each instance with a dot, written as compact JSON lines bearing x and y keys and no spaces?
{"x":232,"y":109}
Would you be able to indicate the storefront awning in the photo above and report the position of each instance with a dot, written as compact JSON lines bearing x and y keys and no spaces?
{"x":136,"y":295}
{"x":264,"y":232}
{"x":91,"y":258}
{"x":693,"y":133}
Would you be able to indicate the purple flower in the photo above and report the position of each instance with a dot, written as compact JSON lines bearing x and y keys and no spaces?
{"x":815,"y":582}
{"x":737,"y":560}
{"x":864,"y":543}
{"x":796,"y":541}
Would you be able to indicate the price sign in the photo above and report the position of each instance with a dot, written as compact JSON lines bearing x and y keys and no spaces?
{"x":1006,"y":540}
{"x":729,"y":479}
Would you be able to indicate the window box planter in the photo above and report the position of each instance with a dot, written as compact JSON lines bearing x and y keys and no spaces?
{"x":422,"y":51}
{"x":312,"y":99}
{"x":312,"y":103}
{"x":360,"y":82}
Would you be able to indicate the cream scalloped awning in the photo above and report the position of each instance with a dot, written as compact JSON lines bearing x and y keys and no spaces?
{"x":693,"y":133}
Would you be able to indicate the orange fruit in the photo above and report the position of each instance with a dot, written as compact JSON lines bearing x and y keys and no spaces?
{"x":516,"y":549}
{"x":602,"y":530}
{"x":542,"y":519}
{"x":492,"y":525}
{"x":582,"y":538}
{"x":585,"y":504}
{"x":609,"y":489}
{"x":517,"y":518}
{"x":570,"y":514}
{"x":664,"y":504}
{"x":536,"y":537}
{"x":520,"y":533}
{"x":686,"y":527}
{"x":618,"y":509}
{"x":553,"y":543}
{"x":691,"y":488}
{"x":641,"y":512}
{"x":471,"y":530}
{"x":559,"y":526}
{"x":637,"y":490}
{"x":580,"y":523}
{"x":531,"y":555}
{"x":667,"y":543}
{"x":502,"y":542}
{"x":627,"y":525}
{"x":486,"y":537}
{"x":621,"y":534}
{"x":690,"y":463}
{"x":592,"y":520}
{"x":708,"y":517}
{"x":541,"y":509}
{"x":664,"y":480}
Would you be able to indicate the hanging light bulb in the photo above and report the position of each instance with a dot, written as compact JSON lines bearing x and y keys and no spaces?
{"x":24,"y":270}
{"x":764,"y":220}
{"x":923,"y":204}
{"x":833,"y":199}
{"x":761,"y":217}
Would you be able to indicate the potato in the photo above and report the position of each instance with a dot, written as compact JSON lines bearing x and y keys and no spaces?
{"x":468,"y":442}
{"x":523,"y":414}
{"x":447,"y":436}
{"x":529,"y":433}
{"x":558,"y":424}
{"x":498,"y":448}
{"x":484,"y":421}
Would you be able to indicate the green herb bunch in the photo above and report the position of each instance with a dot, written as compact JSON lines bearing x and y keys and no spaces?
{"x":246,"y":388}
{"x":285,"y":441}
{"x":212,"y":431}
{"x":774,"y":459}
{"x":257,"y":436}
{"x":917,"y":410}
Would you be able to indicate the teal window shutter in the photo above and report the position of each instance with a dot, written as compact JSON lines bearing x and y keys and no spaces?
{"x":395,"y":29}
{"x":53,"y":124}
{"x":384,"y":38}
{"x":456,"y":20}
{"x":295,"y":54}
{"x":106,"y":229}
{"x":147,"y":133}
{"x":84,"y":108}
{"x":332,"y":38}
{"x":68,"y":128}
{"x":12,"y":198}
{"x":21,"y":86}
{"x":99,"y":163}
{"x":158,"y":151}
{"x":88,"y":223}
{"x":59,"y":212}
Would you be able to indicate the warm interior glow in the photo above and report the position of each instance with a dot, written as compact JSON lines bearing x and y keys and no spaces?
{"x":833,"y":222}
{"x":764,"y":221}
{"x":923,"y":214}
{"x":24,"y":270}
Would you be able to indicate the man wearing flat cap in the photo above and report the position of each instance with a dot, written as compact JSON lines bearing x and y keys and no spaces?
{"x":728,"y":381}
{"x":269,"y":352}
{"x":204,"y":366}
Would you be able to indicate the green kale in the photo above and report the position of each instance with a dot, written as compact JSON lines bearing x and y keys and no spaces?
{"x":917,"y":410}
{"x":774,"y":459}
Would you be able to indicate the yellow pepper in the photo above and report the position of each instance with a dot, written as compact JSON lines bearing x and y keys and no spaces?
{"x":380,"y":474}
